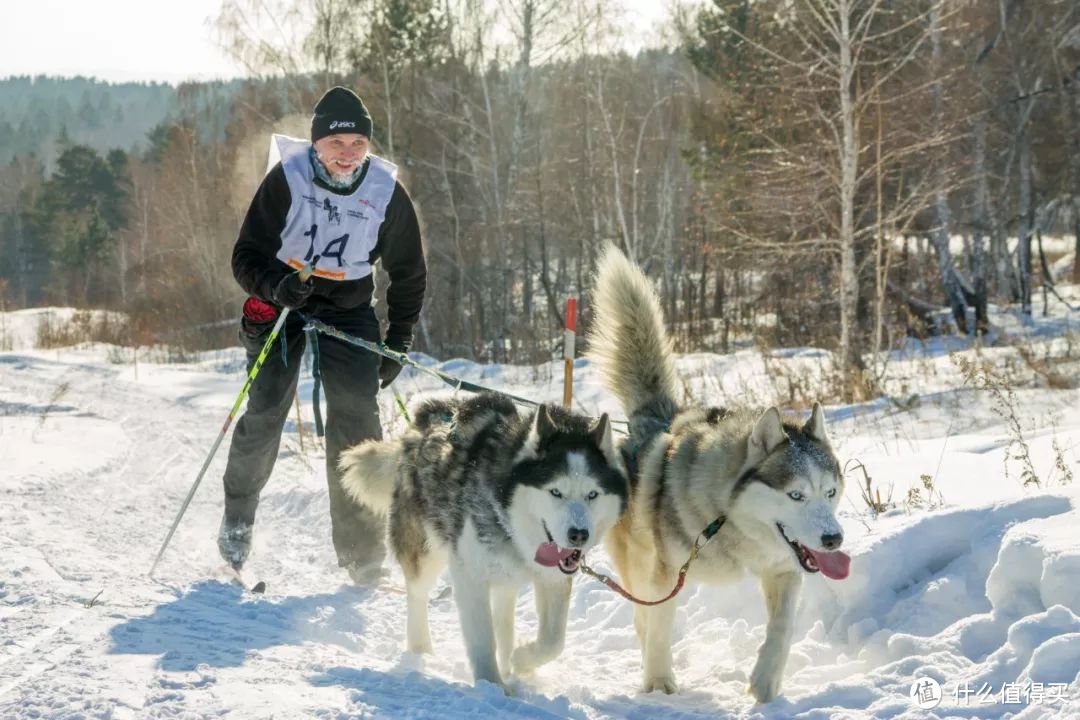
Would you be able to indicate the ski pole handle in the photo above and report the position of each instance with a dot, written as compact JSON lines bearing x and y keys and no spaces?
{"x":308,"y":270}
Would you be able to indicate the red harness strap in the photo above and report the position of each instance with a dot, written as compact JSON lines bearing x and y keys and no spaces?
{"x":704,"y":537}
{"x":626,"y":594}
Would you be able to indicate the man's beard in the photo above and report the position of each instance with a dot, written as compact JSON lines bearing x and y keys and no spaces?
{"x":341,"y":179}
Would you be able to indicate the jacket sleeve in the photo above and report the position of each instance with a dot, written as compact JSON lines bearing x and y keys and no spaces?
{"x":254,"y":260}
{"x":401,"y":251}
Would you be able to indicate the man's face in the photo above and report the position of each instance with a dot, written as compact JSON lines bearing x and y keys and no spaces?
{"x":341,"y":153}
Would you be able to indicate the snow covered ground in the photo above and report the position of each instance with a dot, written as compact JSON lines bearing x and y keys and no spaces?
{"x":973,"y":584}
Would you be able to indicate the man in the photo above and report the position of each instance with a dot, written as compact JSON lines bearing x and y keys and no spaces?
{"x":332,"y":200}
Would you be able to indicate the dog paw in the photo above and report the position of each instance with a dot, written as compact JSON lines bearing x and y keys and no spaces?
{"x":525,"y":659}
{"x":665,"y":683}
{"x":529,"y":656}
{"x":488,"y":674}
{"x":764,"y":682}
{"x":421,"y":648}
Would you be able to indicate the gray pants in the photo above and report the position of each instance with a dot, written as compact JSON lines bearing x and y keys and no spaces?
{"x":350,"y":376}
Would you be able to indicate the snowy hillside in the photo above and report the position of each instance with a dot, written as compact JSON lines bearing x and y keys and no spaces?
{"x":968,"y":578}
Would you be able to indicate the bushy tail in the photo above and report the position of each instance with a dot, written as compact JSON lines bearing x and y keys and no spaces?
{"x":370,"y":472}
{"x":628,"y":340}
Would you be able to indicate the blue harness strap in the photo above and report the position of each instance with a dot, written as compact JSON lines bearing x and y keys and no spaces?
{"x":316,"y":376}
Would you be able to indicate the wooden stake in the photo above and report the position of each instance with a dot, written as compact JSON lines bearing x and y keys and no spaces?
{"x":569,"y":335}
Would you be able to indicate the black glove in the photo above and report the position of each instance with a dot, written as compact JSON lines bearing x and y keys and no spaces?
{"x":389,"y":369}
{"x":290,"y":292}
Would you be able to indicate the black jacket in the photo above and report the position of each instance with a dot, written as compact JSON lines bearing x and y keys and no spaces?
{"x":399,"y":248}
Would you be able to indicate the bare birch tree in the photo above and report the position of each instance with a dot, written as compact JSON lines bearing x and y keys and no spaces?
{"x":832,"y":61}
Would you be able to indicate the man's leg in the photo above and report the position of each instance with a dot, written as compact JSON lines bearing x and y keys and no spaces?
{"x":255,"y":441}
{"x":351,"y":378}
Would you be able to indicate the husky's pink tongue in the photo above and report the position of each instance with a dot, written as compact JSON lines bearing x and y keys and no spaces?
{"x":835,"y":565}
{"x":550,"y":554}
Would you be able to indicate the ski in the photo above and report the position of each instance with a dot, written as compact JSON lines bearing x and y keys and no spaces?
{"x":259,"y":588}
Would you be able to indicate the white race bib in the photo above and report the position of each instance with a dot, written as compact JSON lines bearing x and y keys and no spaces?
{"x":341,"y":229}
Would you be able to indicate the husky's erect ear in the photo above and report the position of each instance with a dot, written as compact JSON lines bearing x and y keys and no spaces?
{"x":815,"y":426}
{"x":543,"y":425}
{"x":543,"y":428}
{"x":769,"y":433}
{"x":541,"y":431}
{"x":601,"y":435}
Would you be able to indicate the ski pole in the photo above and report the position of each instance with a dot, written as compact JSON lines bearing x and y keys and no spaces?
{"x":401,"y":406}
{"x":304,"y":273}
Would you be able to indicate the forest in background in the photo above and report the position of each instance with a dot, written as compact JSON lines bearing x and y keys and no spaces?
{"x":830,"y":173}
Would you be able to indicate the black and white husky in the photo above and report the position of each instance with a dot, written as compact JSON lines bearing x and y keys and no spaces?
{"x":505,"y":500}
{"x":775,"y":486}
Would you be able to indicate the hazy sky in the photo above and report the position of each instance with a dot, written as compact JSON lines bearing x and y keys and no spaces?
{"x":121,"y":40}
{"x":112,"y":39}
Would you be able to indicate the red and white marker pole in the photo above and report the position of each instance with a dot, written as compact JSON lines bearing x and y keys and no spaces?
{"x":568,"y":352}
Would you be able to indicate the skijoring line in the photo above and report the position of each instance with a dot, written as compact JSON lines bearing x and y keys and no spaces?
{"x":403,"y":358}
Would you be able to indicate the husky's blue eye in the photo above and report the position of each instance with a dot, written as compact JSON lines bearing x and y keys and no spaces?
{"x":795,"y":495}
{"x":592,"y":495}
{"x":831,"y":493}
{"x":555,"y":493}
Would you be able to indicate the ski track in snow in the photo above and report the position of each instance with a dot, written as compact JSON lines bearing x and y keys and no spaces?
{"x":985,"y":590}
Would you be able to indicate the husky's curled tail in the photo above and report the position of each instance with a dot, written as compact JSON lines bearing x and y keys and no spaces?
{"x":370,"y":472}
{"x":629,"y":344}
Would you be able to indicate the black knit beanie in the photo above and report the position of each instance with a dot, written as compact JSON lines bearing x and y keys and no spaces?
{"x":340,"y":111}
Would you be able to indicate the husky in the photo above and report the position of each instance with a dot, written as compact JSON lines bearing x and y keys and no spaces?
{"x":504,"y":500}
{"x":773,"y":487}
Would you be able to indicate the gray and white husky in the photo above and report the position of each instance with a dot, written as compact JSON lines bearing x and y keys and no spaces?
{"x":505,"y":500}
{"x":774,"y":485}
